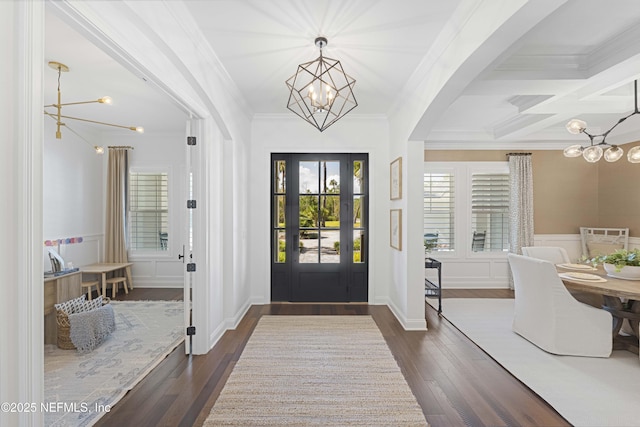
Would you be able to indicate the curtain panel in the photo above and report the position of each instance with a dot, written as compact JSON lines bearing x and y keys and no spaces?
{"x":115,"y":229}
{"x":520,"y":203}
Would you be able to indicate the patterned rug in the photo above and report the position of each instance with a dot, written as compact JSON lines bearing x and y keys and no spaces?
{"x":81,"y":388}
{"x":316,"y":371}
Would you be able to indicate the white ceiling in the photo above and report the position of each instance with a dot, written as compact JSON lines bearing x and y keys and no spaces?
{"x":578,"y":62}
{"x":93,"y":74}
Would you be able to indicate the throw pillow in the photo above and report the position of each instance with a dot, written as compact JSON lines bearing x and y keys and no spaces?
{"x":75,"y":305}
{"x":93,"y":304}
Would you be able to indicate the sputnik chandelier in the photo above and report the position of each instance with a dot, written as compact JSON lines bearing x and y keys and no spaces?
{"x":58,"y":116}
{"x":594,"y":151}
{"x":320,"y":91}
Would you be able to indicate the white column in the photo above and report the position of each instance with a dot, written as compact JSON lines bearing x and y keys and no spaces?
{"x":21,"y":122}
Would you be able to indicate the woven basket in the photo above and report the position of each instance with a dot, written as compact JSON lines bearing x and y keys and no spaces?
{"x":64,"y":328}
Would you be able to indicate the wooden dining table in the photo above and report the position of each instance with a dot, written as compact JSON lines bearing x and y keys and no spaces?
{"x":102,"y":269}
{"x":621,"y":298}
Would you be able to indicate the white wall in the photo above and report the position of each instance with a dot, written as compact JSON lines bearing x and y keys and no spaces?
{"x":237,"y":210}
{"x":290,"y":134}
{"x":72,"y":195}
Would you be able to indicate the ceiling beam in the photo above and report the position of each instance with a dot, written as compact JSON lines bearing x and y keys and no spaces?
{"x":489,"y":31}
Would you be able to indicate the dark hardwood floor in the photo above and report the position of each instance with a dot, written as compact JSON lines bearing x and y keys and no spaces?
{"x":454,"y":381}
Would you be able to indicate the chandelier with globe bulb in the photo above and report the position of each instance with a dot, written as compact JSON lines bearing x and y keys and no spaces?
{"x":598,"y":147}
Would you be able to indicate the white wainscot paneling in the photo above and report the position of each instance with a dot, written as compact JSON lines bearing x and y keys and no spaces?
{"x":157,"y":273}
{"x":142,"y":269}
{"x":466,"y":273}
{"x":572,"y":243}
{"x":487,"y":273}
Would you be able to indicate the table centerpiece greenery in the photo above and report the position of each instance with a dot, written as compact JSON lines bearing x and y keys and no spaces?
{"x":621,"y":258}
{"x":623,"y":264}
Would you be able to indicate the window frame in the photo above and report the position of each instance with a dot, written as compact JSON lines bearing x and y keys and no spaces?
{"x":445,"y":168}
{"x":463,"y":224}
{"x":482,"y":167}
{"x":141,"y":254}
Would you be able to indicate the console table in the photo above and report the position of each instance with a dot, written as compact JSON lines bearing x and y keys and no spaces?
{"x":432,"y":289}
{"x":58,"y":289}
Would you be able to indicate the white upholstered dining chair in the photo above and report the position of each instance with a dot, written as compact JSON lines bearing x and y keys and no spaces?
{"x":557,"y":255}
{"x":547,"y":315}
{"x":553,"y":254}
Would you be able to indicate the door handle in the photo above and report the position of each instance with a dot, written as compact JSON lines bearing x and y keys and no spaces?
{"x":180,"y":256}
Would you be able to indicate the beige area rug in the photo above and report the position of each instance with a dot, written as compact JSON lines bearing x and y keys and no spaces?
{"x":81,"y":388}
{"x":586,"y":391}
{"x":316,"y":371}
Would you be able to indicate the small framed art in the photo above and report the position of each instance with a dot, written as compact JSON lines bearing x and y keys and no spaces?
{"x":396,"y":179}
{"x":395,"y":228}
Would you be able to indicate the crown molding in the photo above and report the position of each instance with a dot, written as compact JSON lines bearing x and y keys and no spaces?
{"x":494,"y":145}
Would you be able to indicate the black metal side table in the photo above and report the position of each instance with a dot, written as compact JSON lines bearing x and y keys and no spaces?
{"x":432,"y":289}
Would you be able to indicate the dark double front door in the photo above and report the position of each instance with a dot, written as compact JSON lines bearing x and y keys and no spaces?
{"x":319,"y":229}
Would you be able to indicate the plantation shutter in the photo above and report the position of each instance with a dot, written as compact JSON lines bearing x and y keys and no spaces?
{"x":439,"y":211}
{"x":490,"y":209}
{"x":148,"y":211}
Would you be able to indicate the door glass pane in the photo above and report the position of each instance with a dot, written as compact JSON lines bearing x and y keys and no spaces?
{"x":309,"y":247}
{"x":280,"y":175}
{"x":330,"y":179}
{"x":358,"y":244}
{"x":281,"y":246}
{"x":358,"y":176}
{"x":330,"y":246}
{"x":308,"y":211}
{"x":308,"y":221}
{"x":330,"y":211}
{"x":308,"y":178}
{"x":279,"y":214}
{"x":358,"y":202}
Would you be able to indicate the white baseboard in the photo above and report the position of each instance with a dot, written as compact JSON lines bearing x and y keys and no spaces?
{"x":407,"y":324}
{"x":157,"y":284}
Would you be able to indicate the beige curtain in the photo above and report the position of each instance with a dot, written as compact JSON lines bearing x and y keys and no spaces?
{"x":520,"y":203}
{"x":115,"y":241}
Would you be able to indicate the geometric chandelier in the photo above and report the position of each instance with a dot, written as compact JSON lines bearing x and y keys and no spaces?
{"x":57,"y":116}
{"x":594,"y":151}
{"x":320,"y":91}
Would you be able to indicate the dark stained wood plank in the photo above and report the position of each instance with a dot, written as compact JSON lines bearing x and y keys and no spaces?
{"x":454,"y":381}
{"x":477,"y":293}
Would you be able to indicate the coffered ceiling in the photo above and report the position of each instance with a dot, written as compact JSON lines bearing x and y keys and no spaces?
{"x":579,"y":61}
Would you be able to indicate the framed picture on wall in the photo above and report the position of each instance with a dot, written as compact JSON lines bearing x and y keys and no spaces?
{"x":395,"y":229}
{"x":396,"y":179}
